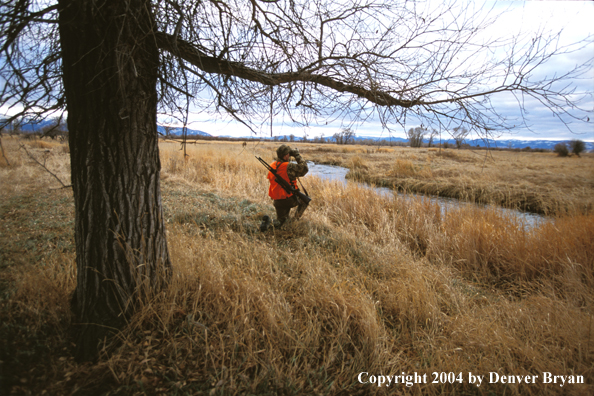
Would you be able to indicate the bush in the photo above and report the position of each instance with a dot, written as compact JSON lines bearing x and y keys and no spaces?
{"x":561,"y":150}
{"x":358,"y":163}
{"x":577,"y":146}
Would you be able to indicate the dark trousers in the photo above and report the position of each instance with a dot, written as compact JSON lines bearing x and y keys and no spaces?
{"x":284,"y":206}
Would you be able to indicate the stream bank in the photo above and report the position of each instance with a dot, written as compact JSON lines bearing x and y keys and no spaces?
{"x":339,"y":173}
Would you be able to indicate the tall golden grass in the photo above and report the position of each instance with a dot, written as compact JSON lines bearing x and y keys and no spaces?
{"x":362,"y":283}
{"x":530,"y":181}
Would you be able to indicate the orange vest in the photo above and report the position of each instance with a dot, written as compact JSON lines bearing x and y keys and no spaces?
{"x":275,"y":190}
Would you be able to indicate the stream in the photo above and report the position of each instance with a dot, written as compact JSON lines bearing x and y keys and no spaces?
{"x":338,"y":173}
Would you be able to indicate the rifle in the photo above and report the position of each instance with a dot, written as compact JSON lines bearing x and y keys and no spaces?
{"x":284,"y":184}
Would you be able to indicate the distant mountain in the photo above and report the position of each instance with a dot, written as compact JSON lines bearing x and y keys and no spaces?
{"x":507,"y":143}
{"x":32,"y":127}
{"x":520,"y":144}
{"x":178,"y":132}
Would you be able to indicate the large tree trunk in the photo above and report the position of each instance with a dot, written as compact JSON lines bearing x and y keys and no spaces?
{"x":110,"y":62}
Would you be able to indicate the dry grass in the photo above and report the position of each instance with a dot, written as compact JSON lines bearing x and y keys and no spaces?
{"x":535,"y":182}
{"x":24,"y":174}
{"x":405,"y":168}
{"x":361,"y":284}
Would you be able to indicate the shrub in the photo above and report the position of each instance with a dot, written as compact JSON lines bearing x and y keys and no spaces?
{"x":561,"y":150}
{"x":358,"y":163}
{"x":403,"y":168}
{"x":577,"y":146}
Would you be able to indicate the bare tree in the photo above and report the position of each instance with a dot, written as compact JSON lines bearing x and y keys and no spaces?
{"x":319,"y":139}
{"x":113,"y":64}
{"x":168,"y":130}
{"x":577,"y":146}
{"x":12,"y":128}
{"x":349,"y":135}
{"x":338,"y":138}
{"x":459,"y":134}
{"x":57,"y":129}
{"x":432,"y":134}
{"x":344,"y":137}
{"x":415,"y":136}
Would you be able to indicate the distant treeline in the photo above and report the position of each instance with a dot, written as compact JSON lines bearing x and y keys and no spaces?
{"x":52,"y":131}
{"x":358,"y":141}
{"x":59,"y":131}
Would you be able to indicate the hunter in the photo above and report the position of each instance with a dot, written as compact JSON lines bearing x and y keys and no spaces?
{"x":284,"y":201}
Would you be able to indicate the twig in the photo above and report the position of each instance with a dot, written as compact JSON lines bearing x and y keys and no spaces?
{"x":44,"y":167}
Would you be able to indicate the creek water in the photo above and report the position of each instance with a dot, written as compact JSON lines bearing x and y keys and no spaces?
{"x":338,"y":173}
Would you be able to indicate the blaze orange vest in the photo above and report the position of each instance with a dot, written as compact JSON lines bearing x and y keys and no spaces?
{"x":275,"y":191}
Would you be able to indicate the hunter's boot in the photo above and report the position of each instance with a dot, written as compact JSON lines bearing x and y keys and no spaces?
{"x":265,"y":223}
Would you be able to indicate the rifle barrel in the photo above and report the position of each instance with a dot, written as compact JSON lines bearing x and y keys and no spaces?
{"x":284,"y":184}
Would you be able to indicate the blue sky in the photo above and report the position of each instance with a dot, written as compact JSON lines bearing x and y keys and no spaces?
{"x":573,"y":17}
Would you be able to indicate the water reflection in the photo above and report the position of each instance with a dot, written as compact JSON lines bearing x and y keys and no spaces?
{"x":338,"y":173}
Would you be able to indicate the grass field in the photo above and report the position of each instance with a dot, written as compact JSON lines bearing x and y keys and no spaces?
{"x":530,"y":181}
{"x":361,"y":284}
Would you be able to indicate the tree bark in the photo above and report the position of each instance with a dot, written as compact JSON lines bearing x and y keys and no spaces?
{"x":110,"y":63}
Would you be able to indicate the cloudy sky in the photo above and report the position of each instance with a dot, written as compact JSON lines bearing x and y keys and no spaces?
{"x":573,"y":17}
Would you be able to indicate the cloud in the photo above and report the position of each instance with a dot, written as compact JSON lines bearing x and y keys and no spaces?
{"x":572,"y":18}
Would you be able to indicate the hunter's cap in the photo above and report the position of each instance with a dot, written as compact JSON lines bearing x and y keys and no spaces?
{"x":282,"y":151}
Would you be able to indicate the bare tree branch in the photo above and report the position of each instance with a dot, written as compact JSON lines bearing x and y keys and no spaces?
{"x":219,"y":66}
{"x":44,"y":167}
{"x":331,"y":62}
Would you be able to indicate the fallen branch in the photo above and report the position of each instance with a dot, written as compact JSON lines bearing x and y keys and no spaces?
{"x":45,"y":167}
{"x":175,"y":140}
